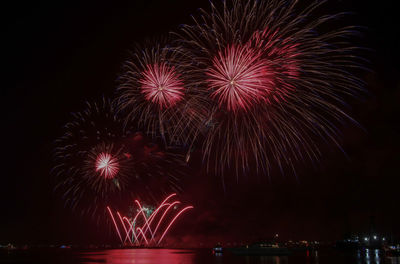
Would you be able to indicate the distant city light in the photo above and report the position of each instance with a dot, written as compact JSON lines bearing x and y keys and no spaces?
{"x":374,"y":237}
{"x":366,"y":238}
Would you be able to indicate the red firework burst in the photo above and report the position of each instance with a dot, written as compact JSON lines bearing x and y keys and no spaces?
{"x":161,"y":85}
{"x":239,"y":77}
{"x":107,"y":165}
{"x":281,"y":71}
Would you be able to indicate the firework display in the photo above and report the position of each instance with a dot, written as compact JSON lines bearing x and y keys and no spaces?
{"x":253,"y":86}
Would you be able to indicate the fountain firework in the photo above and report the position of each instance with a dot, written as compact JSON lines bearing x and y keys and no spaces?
{"x":148,"y":226}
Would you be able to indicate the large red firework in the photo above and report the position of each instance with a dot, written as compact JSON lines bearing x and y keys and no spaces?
{"x":276,"y":79}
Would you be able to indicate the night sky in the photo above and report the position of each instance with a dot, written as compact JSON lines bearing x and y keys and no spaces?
{"x":59,"y":54}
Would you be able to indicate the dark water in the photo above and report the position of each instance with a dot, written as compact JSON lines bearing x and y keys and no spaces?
{"x":166,"y":256}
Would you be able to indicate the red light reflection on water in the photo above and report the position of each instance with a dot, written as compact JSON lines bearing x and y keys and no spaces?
{"x":139,"y":256}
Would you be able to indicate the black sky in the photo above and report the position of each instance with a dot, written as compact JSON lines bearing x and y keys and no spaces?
{"x":60,"y":53}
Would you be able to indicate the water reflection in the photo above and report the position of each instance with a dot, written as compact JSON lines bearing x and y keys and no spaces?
{"x":198,"y":256}
{"x":375,"y":256}
{"x":394,"y":260}
{"x":266,"y":259}
{"x":167,"y":256}
{"x":139,"y":256}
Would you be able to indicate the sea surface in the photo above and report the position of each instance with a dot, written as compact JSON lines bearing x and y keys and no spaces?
{"x":184,"y":256}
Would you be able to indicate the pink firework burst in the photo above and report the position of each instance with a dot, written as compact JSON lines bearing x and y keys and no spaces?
{"x":107,"y":165}
{"x":239,"y":77}
{"x":161,"y":85}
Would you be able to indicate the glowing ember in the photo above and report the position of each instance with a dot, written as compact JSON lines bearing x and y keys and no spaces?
{"x":239,"y":77}
{"x":107,"y":165}
{"x":161,"y":85}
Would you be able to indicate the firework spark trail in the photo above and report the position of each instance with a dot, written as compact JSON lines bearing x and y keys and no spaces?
{"x":115,"y":224}
{"x":143,"y":236}
{"x":144,"y":217}
{"x":129,"y":230}
{"x":153,"y":216}
{"x":122,"y":223}
{"x":147,"y":223}
{"x":163,"y":215}
{"x":172,"y":221}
